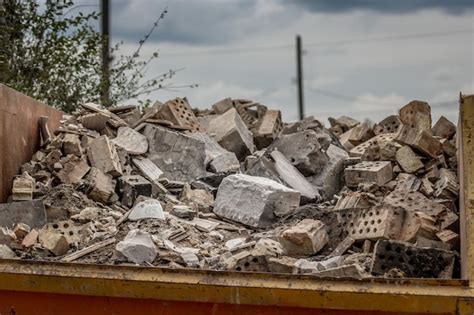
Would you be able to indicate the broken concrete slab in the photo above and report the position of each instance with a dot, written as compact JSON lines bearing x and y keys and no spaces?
{"x":179,"y":156}
{"x":230,"y":132}
{"x":254,"y":201}
{"x":103,"y":155}
{"x":31,"y":213}
{"x":131,"y":141}
{"x":137,"y":247}
{"x":147,"y":209}
{"x":307,"y":237}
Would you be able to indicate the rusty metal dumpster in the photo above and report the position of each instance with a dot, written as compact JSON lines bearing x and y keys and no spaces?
{"x":28,"y":287}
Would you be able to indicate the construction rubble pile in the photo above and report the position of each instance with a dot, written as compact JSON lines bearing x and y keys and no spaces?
{"x":234,"y":188}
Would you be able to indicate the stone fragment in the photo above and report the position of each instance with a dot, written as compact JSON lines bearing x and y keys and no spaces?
{"x":292,"y":177}
{"x":133,"y":186}
{"x":23,"y":187}
{"x":21,"y":230}
{"x":329,"y":180}
{"x":414,"y":262}
{"x":94,"y":121}
{"x":88,"y":214}
{"x":255,"y":201}
{"x":137,"y":247}
{"x":103,"y":155}
{"x":368,"y":172}
{"x":31,"y":213}
{"x":303,"y":150}
{"x":183,"y":211}
{"x":444,"y":128}
{"x":416,"y":114}
{"x":269,"y":247}
{"x":147,"y":209}
{"x":420,"y":140}
{"x":447,"y":185}
{"x":305,"y":266}
{"x":131,"y":141}
{"x":73,"y":171}
{"x":53,"y":241}
{"x":101,"y":185}
{"x":6,"y":252}
{"x":308,"y":237}
{"x":389,"y":124}
{"x":231,"y":244}
{"x":408,"y":160}
{"x":283,"y":264}
{"x":179,"y":156}
{"x":31,"y":239}
{"x":449,"y":237}
{"x":72,"y":145}
{"x":268,"y":128}
{"x":231,"y":133}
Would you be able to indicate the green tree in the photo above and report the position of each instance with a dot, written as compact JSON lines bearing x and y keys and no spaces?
{"x":55,"y":56}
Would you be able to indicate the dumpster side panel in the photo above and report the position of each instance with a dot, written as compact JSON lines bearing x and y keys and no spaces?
{"x":19,"y":133}
{"x":20,"y":303}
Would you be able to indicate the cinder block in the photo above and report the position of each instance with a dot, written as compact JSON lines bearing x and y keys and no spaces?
{"x":420,"y":140}
{"x":414,"y":262}
{"x":368,"y":172}
{"x":416,"y":114}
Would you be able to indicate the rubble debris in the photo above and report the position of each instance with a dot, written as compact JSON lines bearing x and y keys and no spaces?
{"x":308,"y":237}
{"x":6,"y":252}
{"x":138,"y":247}
{"x":254,"y":201}
{"x":163,"y":186}
{"x":231,"y":133}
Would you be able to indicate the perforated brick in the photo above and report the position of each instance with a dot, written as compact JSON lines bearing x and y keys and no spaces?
{"x":388,"y":125}
{"x":416,"y":114}
{"x":361,"y":148}
{"x":414,"y":262}
{"x":414,"y":201}
{"x":71,"y":232}
{"x":376,"y":223}
{"x":179,"y":112}
{"x":368,"y":172}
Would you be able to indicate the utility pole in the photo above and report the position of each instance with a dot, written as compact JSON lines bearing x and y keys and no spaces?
{"x":105,"y":84}
{"x":299,"y":75}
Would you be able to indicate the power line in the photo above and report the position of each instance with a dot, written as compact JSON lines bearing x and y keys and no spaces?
{"x":240,"y":50}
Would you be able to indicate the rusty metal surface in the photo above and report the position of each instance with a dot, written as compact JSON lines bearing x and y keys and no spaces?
{"x":19,"y":133}
{"x":20,"y":303}
{"x":214,"y":287}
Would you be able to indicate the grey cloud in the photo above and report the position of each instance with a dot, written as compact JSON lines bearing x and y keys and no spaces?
{"x":384,"y":6}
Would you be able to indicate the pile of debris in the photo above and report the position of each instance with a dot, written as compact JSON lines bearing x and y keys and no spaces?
{"x":234,"y":188}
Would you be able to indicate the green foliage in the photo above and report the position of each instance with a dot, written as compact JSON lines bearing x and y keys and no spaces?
{"x":55,"y":56}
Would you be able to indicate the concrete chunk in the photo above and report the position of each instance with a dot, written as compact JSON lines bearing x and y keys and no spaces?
{"x":147,"y":209}
{"x":131,"y":141}
{"x":255,"y":201}
{"x":408,"y":160}
{"x":232,"y":134}
{"x":306,"y":238}
{"x":137,"y":247}
{"x":103,"y":155}
{"x":179,"y":156}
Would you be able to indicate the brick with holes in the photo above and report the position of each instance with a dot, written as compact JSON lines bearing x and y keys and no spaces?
{"x":414,"y":201}
{"x":179,"y":112}
{"x":378,"y":140}
{"x":381,"y":222}
{"x":388,"y":125}
{"x":368,"y":172}
{"x":414,"y":262}
{"x":416,"y":114}
{"x":253,"y":260}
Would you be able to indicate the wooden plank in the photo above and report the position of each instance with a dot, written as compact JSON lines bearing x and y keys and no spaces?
{"x":88,"y":250}
{"x":19,"y":133}
{"x":466,"y":177}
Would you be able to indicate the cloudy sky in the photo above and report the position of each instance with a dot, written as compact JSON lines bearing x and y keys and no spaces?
{"x":363,"y":58}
